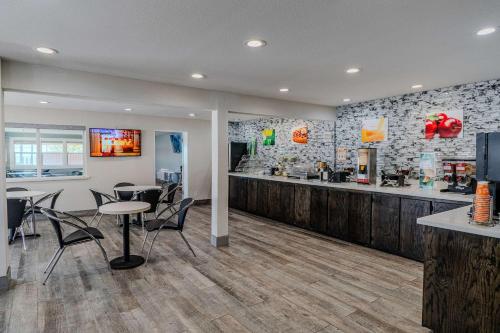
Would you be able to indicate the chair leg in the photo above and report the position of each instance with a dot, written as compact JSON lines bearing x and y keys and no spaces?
{"x":105,"y":255}
{"x":54,"y":265}
{"x":93,"y":217}
{"x":187,"y":243}
{"x":99,"y":220}
{"x":51,"y":260}
{"x":22,"y":235}
{"x":144,"y":242}
{"x":151,"y":247}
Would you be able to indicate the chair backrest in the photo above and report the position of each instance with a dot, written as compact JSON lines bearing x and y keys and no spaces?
{"x":54,"y":199}
{"x":171,"y":189}
{"x":97,"y":197}
{"x":183,"y":209}
{"x":153,"y":198}
{"x":54,"y":220}
{"x":51,"y":196}
{"x":124,"y":196}
{"x":16,"y":189}
{"x":15,"y":212}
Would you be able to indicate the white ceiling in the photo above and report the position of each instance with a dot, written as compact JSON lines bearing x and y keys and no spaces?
{"x":311,"y":43}
{"x":30,"y":100}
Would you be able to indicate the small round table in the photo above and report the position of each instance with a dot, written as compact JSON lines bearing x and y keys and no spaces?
{"x":125,"y":208}
{"x":27,"y":195}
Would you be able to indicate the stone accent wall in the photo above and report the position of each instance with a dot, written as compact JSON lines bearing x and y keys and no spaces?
{"x":479,"y":101}
{"x":321,"y":139}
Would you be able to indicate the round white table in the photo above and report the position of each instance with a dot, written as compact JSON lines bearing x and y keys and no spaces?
{"x":125,"y":208}
{"x":27,"y":195}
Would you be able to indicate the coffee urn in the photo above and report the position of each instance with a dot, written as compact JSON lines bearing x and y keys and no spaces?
{"x":367,"y":166}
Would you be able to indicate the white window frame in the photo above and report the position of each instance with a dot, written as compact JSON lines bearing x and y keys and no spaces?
{"x":39,"y":166}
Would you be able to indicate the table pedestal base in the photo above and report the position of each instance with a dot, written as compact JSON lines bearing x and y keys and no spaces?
{"x":120,"y":263}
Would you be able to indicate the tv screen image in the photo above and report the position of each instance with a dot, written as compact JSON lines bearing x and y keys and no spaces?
{"x":108,"y":142}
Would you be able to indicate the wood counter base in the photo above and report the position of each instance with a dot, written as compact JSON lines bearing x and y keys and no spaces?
{"x":461,"y":282}
{"x":387,"y":222}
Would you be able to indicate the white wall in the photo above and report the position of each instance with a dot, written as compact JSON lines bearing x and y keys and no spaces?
{"x":105,"y":172}
{"x":165,"y":156}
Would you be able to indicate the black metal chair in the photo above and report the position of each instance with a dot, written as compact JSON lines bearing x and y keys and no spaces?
{"x":167,"y":223}
{"x":169,"y":194}
{"x":16,"y":189}
{"x":124,"y":196}
{"x":83,"y":234}
{"x":100,"y":199}
{"x":53,"y":200}
{"x":15,"y":217}
{"x":153,"y":198}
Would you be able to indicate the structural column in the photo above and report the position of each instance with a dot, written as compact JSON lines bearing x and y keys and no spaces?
{"x":4,"y":246}
{"x":220,"y":236}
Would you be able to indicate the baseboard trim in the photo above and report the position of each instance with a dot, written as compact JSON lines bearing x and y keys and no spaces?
{"x":201,"y":202}
{"x":219,"y":241}
{"x":5,"y":280}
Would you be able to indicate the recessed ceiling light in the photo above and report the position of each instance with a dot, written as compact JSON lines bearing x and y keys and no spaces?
{"x":192,"y":115}
{"x":416,"y":86}
{"x":198,"y":76}
{"x":486,"y":31}
{"x":255,"y":43}
{"x":128,"y":109}
{"x":46,"y":50}
{"x":346,"y":100}
{"x":284,"y":90}
{"x":44,"y":102}
{"x":353,"y":70}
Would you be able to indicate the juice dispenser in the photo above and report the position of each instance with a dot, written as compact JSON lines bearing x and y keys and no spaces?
{"x":367,"y":166}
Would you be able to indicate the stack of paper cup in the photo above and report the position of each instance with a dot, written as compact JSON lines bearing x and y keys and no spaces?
{"x":482,"y":203}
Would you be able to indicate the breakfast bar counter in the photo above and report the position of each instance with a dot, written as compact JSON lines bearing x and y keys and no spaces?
{"x":383,"y":218}
{"x":461,"y":274}
{"x":408,"y":191}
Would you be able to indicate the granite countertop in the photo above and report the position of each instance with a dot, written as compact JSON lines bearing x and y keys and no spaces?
{"x":458,"y":220}
{"x":410,"y":191}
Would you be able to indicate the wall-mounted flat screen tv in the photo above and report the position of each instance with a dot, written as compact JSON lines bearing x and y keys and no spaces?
{"x":108,"y":142}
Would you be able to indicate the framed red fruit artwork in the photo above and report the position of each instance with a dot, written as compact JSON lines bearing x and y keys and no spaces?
{"x":444,"y":125}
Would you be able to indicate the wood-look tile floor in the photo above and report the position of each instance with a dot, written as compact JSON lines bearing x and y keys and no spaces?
{"x":272,"y":278}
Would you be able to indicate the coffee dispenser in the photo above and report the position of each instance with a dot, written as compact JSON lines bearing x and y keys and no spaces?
{"x":488,"y":164}
{"x":367,"y":166}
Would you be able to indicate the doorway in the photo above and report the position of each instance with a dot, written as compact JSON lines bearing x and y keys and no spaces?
{"x":170,"y":158}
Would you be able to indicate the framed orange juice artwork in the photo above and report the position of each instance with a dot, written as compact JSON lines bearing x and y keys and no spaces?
{"x":374,"y":130}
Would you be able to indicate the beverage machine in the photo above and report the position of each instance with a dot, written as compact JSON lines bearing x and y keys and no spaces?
{"x":459,"y":175}
{"x":488,"y":164}
{"x":366,"y":170}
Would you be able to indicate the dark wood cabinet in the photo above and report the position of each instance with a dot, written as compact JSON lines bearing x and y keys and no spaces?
{"x":360,"y":206}
{"x":262,"y":198}
{"x":385,"y":222}
{"x":238,"y":193}
{"x":319,"y":209}
{"x":411,"y":234}
{"x":338,"y":210}
{"x":444,"y":206}
{"x":252,"y":196}
{"x":287,"y":203}
{"x":461,"y":289}
{"x":274,"y":200}
{"x":302,"y":206}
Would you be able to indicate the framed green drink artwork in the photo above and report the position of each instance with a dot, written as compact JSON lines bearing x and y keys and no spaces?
{"x":268,"y":137}
{"x":427,"y":173}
